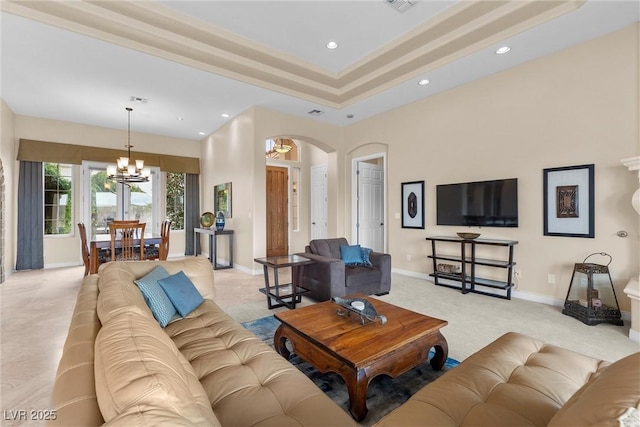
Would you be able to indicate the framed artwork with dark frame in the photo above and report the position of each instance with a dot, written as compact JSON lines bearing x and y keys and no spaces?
{"x":413,"y":204}
{"x":222,"y":199}
{"x":569,"y":201}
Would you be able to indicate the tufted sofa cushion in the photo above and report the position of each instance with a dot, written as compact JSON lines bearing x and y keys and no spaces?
{"x":514,"y":381}
{"x":118,"y":293}
{"x":606,"y":398}
{"x":139,"y":369}
{"x":247,"y":382}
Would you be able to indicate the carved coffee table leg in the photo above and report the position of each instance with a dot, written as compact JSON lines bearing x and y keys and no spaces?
{"x":357,"y":384}
{"x":442,"y":351}
{"x":280,"y":342}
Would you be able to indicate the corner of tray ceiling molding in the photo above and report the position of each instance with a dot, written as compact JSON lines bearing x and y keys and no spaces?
{"x":497,"y":15}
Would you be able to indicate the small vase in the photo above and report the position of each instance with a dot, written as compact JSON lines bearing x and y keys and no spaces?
{"x":220,"y":221}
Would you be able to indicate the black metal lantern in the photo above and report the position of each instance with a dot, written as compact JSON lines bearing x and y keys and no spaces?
{"x":591,"y":297}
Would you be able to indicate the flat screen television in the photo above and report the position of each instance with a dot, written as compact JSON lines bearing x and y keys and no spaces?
{"x":482,"y":203}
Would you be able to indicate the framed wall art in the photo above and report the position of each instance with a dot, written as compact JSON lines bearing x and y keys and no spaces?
{"x":569,"y":201}
{"x":222,"y":199}
{"x":413,"y":204}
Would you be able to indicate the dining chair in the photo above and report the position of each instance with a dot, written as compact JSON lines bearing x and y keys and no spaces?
{"x":126,"y":234}
{"x":165,"y":233}
{"x":85,"y":248}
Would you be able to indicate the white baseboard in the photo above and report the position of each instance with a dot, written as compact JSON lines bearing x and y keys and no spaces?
{"x":626,"y":316}
{"x":412,"y":274}
{"x":634,"y":335}
{"x":63,"y":264}
{"x":246,"y":270}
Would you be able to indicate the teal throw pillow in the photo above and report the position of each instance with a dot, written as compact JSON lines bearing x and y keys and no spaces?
{"x":365,"y":257}
{"x":182,"y":293}
{"x":351,"y":255}
{"x":155,"y":297}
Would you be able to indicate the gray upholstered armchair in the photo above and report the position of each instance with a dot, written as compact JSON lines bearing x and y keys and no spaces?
{"x":329,"y":277}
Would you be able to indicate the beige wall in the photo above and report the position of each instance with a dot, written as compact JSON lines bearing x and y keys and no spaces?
{"x":228,"y":155}
{"x":10,"y":167}
{"x":62,"y":251}
{"x":575,"y":107}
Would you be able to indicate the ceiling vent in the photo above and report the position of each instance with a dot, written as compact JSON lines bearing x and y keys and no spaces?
{"x":315,"y":113}
{"x":138,"y":99}
{"x":400,"y":5}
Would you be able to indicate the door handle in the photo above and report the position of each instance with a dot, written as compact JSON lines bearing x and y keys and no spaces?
{"x":313,"y":223}
{"x":382,"y":223}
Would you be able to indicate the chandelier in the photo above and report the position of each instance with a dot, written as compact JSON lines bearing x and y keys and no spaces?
{"x":123,"y":172}
{"x":279,"y":147}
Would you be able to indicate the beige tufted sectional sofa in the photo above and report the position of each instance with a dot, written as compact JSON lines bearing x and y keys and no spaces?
{"x":120,"y":368}
{"x":521,"y":381}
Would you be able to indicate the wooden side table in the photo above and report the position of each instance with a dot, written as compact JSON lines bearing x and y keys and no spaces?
{"x":285,"y":295}
{"x":213,"y":245}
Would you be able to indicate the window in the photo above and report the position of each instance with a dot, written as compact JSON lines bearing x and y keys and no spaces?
{"x":175,"y":200}
{"x":58,"y":198}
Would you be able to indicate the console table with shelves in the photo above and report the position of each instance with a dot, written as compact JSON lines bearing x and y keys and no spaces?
{"x":467,"y":261}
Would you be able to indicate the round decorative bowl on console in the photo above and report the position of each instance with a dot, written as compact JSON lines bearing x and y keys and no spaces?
{"x":207,"y":219}
{"x":468,"y":236}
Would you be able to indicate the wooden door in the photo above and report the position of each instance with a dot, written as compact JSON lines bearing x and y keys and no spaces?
{"x":277,"y":211}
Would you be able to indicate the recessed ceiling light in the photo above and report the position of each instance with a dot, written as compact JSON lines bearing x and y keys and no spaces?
{"x":332,"y":45}
{"x":503,"y":50}
{"x":202,"y":133}
{"x":424,"y":82}
{"x":180,"y":119}
{"x":225,"y":115}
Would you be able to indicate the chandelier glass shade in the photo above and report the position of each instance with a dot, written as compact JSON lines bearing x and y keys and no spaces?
{"x":278,"y":146}
{"x":125,"y":171}
{"x":282,"y":147}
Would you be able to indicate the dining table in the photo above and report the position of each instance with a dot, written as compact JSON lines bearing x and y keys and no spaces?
{"x":103,"y":241}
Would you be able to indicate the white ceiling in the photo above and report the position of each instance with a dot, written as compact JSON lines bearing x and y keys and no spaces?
{"x":54,"y":73}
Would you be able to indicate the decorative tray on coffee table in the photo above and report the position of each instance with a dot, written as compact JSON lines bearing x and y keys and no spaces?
{"x":363,"y":308}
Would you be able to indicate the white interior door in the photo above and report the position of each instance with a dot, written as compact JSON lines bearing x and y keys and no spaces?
{"x":319,"y":226}
{"x":370,"y":222}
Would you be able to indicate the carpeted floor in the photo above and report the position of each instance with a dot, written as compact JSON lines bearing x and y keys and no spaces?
{"x":384,"y":393}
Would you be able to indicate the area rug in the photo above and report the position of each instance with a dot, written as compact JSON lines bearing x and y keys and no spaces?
{"x":384,"y":393}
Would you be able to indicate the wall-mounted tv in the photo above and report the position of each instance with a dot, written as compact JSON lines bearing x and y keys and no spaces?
{"x":482,"y":203}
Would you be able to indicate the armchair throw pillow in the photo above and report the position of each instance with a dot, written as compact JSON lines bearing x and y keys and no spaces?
{"x":365,"y":257}
{"x":351,"y":254}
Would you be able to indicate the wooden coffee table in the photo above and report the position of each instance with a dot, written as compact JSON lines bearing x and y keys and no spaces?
{"x":357,"y":352}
